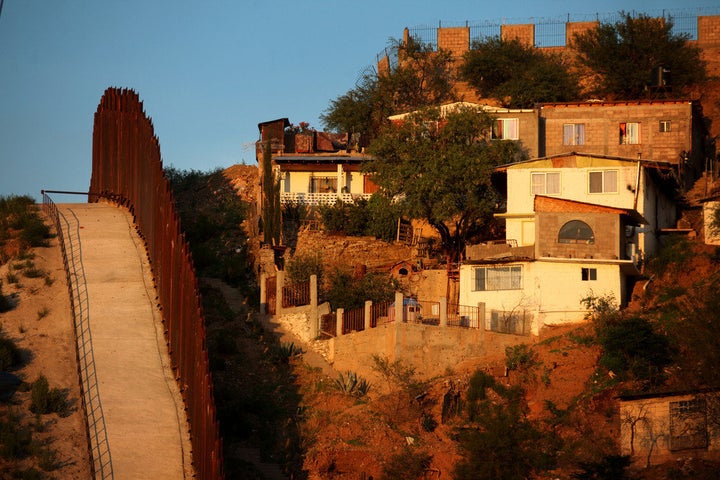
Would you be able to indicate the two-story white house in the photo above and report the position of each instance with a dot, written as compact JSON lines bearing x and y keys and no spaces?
{"x":577,"y":225}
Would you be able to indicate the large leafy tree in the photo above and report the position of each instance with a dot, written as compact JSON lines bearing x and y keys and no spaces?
{"x":517,"y":75}
{"x":624,"y":57}
{"x":422,"y":78}
{"x":441,"y":169}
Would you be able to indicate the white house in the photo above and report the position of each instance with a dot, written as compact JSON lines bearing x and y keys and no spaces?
{"x":576,"y":226}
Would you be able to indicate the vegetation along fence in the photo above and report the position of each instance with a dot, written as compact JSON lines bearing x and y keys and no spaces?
{"x":127,"y":169}
{"x":98,"y":448}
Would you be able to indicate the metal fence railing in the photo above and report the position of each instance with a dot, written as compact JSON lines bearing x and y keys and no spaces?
{"x":354,"y":320}
{"x":463,"y":316}
{"x":127,"y":168}
{"x":550,"y":31}
{"x":68,"y":233}
{"x":296,"y":295}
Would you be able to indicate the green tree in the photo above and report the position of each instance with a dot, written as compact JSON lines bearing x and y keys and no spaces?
{"x":623,"y":57}
{"x":441,"y":169}
{"x":517,"y":75}
{"x":422,"y":78}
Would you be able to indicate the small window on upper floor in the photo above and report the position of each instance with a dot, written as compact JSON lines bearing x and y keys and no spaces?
{"x":629,"y":133}
{"x":576,"y":231}
{"x":603,"y":181}
{"x":665,"y":126}
{"x":574,"y":134}
{"x":506,"y":129}
{"x":545,"y":183}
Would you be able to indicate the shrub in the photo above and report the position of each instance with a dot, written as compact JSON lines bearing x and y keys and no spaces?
{"x":520,"y":357}
{"x":383,"y":216}
{"x":352,"y":384}
{"x":346,"y":291}
{"x":15,"y":438}
{"x":35,"y":233}
{"x":5,"y":304}
{"x":408,"y":464}
{"x":673,"y":255}
{"x":10,"y":355}
{"x":47,"y":400}
{"x":398,"y":374}
{"x":300,"y":269}
{"x":611,"y":467}
{"x":631,"y":346}
{"x":281,"y":352}
{"x":429,"y":424}
{"x":334,"y":217}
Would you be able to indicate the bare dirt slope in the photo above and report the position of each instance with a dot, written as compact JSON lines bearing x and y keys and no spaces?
{"x":41,"y":325}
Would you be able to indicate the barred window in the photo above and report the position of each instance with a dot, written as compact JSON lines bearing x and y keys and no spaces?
{"x":498,"y":278}
{"x":688,"y":424}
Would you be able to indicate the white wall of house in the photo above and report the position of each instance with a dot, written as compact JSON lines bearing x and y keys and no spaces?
{"x":574,"y":184}
{"x":338,"y":182}
{"x":551,"y":290}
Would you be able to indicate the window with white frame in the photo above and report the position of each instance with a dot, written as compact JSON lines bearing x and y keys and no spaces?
{"x":629,"y":133}
{"x":574,"y":134}
{"x":323,"y":184}
{"x":506,"y":129}
{"x":498,"y":278}
{"x":665,"y":126}
{"x":545,"y":183}
{"x":605,"y":181}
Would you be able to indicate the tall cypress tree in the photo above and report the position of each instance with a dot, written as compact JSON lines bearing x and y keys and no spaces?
{"x":271,"y":199}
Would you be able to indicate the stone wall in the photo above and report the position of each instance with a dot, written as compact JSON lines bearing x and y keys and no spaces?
{"x":431,"y":350}
{"x":349,"y":252}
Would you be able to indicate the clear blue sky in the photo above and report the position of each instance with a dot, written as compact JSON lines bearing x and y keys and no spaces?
{"x":207,"y":71}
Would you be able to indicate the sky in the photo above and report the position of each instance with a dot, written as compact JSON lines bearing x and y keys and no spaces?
{"x":207,"y":71}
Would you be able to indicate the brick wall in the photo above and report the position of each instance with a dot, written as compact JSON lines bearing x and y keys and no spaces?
{"x":606,"y":228}
{"x":602,"y":129}
{"x":455,"y":40}
{"x":525,"y":33}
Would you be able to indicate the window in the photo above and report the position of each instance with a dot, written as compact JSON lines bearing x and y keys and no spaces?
{"x":545,"y":183}
{"x":629,"y":133}
{"x":323,"y":185}
{"x":574,"y":134}
{"x":588,"y":274}
{"x":688,"y":424}
{"x":498,"y":278}
{"x":576,"y":231}
{"x":665,"y":126}
{"x":505,"y":129}
{"x":603,"y":182}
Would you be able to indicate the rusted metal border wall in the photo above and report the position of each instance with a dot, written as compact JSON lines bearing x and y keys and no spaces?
{"x":127,"y":168}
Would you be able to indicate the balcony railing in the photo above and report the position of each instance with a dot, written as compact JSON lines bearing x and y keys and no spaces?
{"x":320,"y":198}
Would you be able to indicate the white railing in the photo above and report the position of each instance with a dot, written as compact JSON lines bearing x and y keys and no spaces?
{"x":320,"y":198}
